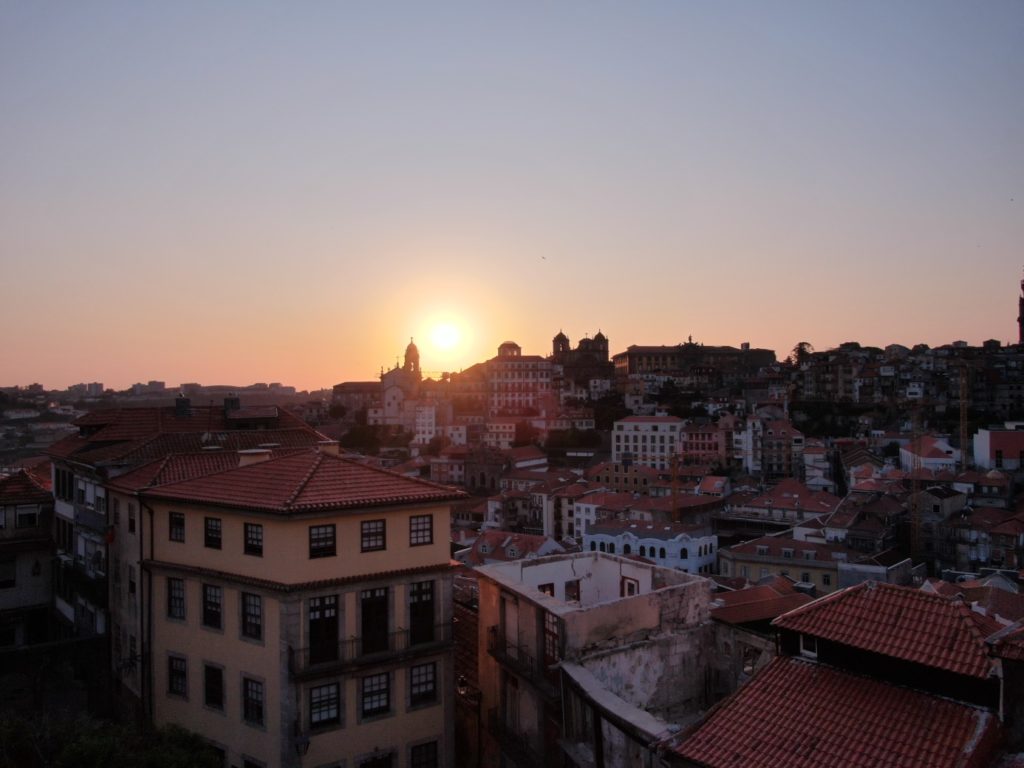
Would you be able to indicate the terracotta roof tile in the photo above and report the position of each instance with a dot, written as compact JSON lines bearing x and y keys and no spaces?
{"x":306,"y":481}
{"x":901,"y":622}
{"x":25,"y":487}
{"x":800,"y":714}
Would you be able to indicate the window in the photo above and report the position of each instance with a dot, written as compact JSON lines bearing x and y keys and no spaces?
{"x":175,"y":598}
{"x":421,"y":530}
{"x":176,"y":522}
{"x":252,"y":701}
{"x":252,"y":616}
{"x":421,"y":612}
{"x":213,"y":687}
{"x":423,"y":684}
{"x":826,"y":579}
{"x":177,"y":676}
{"x":809,"y":646}
{"x":788,"y":554}
{"x":375,"y":695}
{"x":321,"y":541}
{"x":423,"y":755}
{"x":374,"y":610}
{"x":323,"y":629}
{"x":26,"y":516}
{"x":324,"y":705}
{"x":761,"y":550}
{"x":805,"y":576}
{"x":373,"y":536}
{"x":212,"y":599}
{"x":131,"y":519}
{"x":212,"y":532}
{"x":131,"y":579}
{"x":254,"y":539}
{"x":547,"y":589}
{"x":8,"y":570}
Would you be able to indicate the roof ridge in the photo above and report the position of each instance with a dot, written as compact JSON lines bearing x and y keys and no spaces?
{"x":318,"y":458}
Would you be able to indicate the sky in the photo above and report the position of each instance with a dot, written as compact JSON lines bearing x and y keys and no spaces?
{"x":244,"y":191}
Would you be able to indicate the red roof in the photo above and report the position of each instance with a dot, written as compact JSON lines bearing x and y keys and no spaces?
{"x":901,"y":622}
{"x":305,"y":481}
{"x":25,"y":487}
{"x":800,"y":714}
{"x":757,"y":603}
{"x":177,"y":467}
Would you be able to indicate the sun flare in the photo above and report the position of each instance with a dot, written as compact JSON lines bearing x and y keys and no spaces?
{"x":444,"y":336}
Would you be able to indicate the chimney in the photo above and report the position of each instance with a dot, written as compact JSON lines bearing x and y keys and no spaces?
{"x":232,"y":403}
{"x":330,"y":447}
{"x":249,"y":456}
{"x":182,"y":406}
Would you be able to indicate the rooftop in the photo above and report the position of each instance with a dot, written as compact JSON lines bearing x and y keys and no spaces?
{"x":801,"y":714}
{"x":901,"y":622}
{"x":304,"y":482}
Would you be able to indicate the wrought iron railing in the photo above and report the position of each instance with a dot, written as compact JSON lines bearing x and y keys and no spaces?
{"x":368,"y":649}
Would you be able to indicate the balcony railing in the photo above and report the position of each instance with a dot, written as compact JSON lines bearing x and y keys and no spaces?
{"x":518,"y":659}
{"x":359,"y":651}
{"x":88,"y":517}
{"x":513,"y":743}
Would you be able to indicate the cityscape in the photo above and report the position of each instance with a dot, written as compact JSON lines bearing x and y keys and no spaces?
{"x":454,"y":385}
{"x":670,"y":555}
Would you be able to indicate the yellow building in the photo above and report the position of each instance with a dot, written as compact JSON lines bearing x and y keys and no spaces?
{"x":298,"y":612}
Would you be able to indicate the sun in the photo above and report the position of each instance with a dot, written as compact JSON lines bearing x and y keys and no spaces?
{"x":444,"y":336}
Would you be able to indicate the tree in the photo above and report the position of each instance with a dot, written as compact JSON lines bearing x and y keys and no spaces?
{"x":40,"y":742}
{"x":337,"y":411}
{"x":801,"y":353}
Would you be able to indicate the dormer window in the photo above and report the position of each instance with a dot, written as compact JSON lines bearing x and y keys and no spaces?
{"x":809,"y":646}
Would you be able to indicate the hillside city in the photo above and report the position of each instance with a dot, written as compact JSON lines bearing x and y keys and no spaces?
{"x":682,"y":555}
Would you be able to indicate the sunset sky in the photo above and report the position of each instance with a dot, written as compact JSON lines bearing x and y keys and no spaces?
{"x":232,"y":192}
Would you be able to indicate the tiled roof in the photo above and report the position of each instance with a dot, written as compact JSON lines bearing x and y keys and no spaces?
{"x":758,"y":602}
{"x":492,"y":546}
{"x":182,"y":466}
{"x":305,"y":481}
{"x":643,"y":530}
{"x":800,"y":714}
{"x":1009,"y":643}
{"x":133,"y":436}
{"x":25,"y":487}
{"x":650,"y":420}
{"x":901,"y":622}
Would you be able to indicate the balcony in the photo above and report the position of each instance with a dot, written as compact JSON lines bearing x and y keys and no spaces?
{"x":514,"y":744}
{"x":518,"y":659}
{"x":354,"y":652}
{"x":87,"y":516}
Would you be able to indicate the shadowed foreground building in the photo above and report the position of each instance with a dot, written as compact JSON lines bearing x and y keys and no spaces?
{"x":874,"y":675}
{"x":589,"y":659}
{"x":298,"y":612}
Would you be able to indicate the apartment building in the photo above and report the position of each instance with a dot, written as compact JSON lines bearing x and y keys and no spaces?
{"x":588,"y":659}
{"x":26,"y":555}
{"x":298,"y":612}
{"x":650,"y":441}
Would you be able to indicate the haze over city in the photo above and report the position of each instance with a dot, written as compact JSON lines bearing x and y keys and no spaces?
{"x":227,"y":193}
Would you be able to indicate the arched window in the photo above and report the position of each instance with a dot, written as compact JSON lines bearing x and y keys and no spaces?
{"x":643,"y":551}
{"x":626,"y":549}
{"x":603,"y":548}
{"x":611,"y":547}
{"x":593,"y":546}
{"x":661,"y":553}
{"x":683,"y":553}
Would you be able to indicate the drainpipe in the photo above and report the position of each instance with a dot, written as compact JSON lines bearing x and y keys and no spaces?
{"x":147,"y":645}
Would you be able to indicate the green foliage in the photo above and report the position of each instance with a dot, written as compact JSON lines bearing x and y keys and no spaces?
{"x":337,"y":411}
{"x":361,"y":438}
{"x":562,"y":440}
{"x":608,"y":410}
{"x":86,"y":743}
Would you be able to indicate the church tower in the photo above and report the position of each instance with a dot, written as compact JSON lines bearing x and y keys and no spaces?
{"x":412,"y":360}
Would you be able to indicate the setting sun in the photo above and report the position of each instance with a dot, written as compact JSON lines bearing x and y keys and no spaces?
{"x":444,"y":336}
